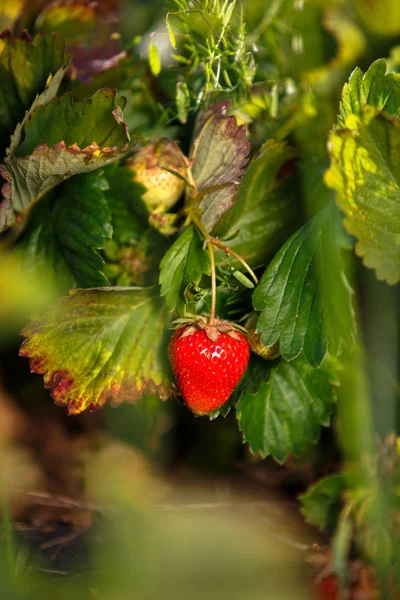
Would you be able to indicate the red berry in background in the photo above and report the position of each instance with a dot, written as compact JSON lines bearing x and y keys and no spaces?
{"x":208,"y":363}
{"x":327,"y":588}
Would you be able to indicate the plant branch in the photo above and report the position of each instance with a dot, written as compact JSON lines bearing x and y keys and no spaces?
{"x":211,"y":242}
{"x":196,"y":220}
{"x":213,"y":283}
{"x":231,"y":252}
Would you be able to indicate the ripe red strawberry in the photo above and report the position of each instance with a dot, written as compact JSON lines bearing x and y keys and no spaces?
{"x":208,"y":363}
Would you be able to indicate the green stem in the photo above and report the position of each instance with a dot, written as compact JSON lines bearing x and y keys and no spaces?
{"x":220,"y":245}
{"x":194,"y":217}
{"x":213,"y":283}
{"x":227,"y":250}
{"x":211,"y":242}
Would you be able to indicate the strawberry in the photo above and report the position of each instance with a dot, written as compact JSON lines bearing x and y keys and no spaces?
{"x":150,"y":163}
{"x":208,"y":362}
{"x":255,"y":343}
{"x":327,"y":588}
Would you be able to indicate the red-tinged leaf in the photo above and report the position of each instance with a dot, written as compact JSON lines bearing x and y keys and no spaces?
{"x":99,"y":345}
{"x":219,"y":158}
{"x":219,"y":109}
{"x":60,"y":139}
{"x":87,"y":29}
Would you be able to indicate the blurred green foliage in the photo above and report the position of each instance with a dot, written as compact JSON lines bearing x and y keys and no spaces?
{"x":278,"y":67}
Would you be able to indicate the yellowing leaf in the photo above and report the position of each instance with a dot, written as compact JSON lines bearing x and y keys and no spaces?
{"x":350,"y":45}
{"x":365,"y":167}
{"x":375,"y":88}
{"x":9,"y":11}
{"x":381,"y":17}
{"x":170,"y":32}
{"x":99,"y":345}
{"x":154,"y":59}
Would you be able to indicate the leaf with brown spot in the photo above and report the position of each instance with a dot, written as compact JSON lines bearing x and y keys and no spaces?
{"x":364,"y":172}
{"x":59,"y":139}
{"x":99,"y":345}
{"x":219,"y":158}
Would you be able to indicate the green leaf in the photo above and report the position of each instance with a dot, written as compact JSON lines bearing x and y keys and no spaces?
{"x":40,"y":247}
{"x":7,"y":217}
{"x":171,"y":33}
{"x":304,"y":296}
{"x":262,"y":214}
{"x":243,"y":279}
{"x":129,"y":214}
{"x":96,"y":120}
{"x":381,"y":17}
{"x":219,"y":158}
{"x":61,"y":139}
{"x":365,"y":162}
{"x":321,"y":503}
{"x":25,"y":66}
{"x":184,"y":263}
{"x":22,"y":292}
{"x":350,"y":45}
{"x":287,"y":410}
{"x":101,"y":344}
{"x":258,"y":371}
{"x":341,"y":544}
{"x":154,"y":58}
{"x":67,"y":234}
{"x":374,"y":88}
{"x":182,"y":101}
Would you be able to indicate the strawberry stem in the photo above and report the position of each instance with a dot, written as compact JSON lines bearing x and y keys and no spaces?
{"x":218,"y":244}
{"x":231,"y":252}
{"x":213,"y":283}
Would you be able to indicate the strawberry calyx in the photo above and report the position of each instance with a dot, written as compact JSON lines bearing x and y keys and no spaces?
{"x":165,"y":153}
{"x":213,"y":331}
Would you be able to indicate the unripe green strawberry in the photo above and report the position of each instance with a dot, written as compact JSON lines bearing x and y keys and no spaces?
{"x":208,"y":363}
{"x":266,"y":352}
{"x":255,"y":343}
{"x":150,"y":163}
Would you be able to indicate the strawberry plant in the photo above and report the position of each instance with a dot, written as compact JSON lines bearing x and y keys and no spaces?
{"x":204,"y":208}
